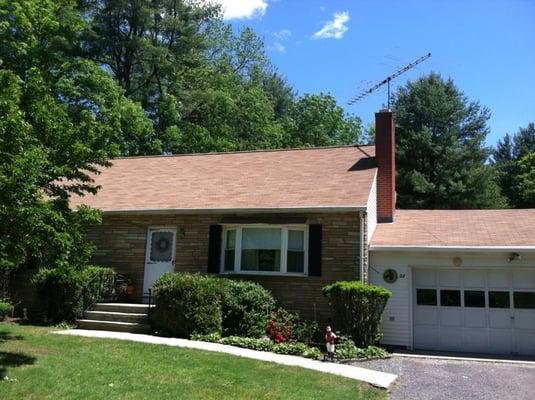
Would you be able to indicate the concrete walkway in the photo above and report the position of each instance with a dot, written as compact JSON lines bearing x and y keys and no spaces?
{"x":375,"y":378}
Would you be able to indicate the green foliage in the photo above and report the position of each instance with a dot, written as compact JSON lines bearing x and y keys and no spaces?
{"x":512,"y":166}
{"x":187,"y":304}
{"x":346,"y":348}
{"x":441,"y":155}
{"x":357,"y":309}
{"x":61,"y":290}
{"x":61,"y":118}
{"x":6,"y":309}
{"x":372,"y":352}
{"x":246,"y":307}
{"x":293,"y":348}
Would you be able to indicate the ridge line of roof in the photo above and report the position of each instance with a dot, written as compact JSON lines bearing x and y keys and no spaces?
{"x":215,"y":153}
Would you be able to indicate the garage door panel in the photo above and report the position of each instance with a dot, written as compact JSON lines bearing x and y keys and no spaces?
{"x":426,"y":315}
{"x":451,"y":317}
{"x":524,"y":319}
{"x":499,"y":279}
{"x":450,"y":339}
{"x":425,"y":337}
{"x":524,"y":279}
{"x":501,"y":341}
{"x":525,"y":342}
{"x":425,"y":278}
{"x":449,"y":278}
{"x":475,"y":318}
{"x":474,"y":279}
{"x":500,"y":319}
{"x":475,"y":340}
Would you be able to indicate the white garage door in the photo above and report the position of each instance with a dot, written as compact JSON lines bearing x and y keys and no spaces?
{"x":486,"y":311}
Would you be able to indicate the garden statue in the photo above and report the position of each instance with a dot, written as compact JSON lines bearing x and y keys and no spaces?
{"x":330,"y":338}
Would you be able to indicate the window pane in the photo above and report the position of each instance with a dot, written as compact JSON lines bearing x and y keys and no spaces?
{"x":426,"y":297}
{"x":499,"y":299}
{"x":524,"y":299}
{"x":474,"y":298}
{"x":230,"y":250}
{"x":296,"y":252}
{"x":450,"y":298}
{"x":296,"y":240}
{"x":261,"y":249}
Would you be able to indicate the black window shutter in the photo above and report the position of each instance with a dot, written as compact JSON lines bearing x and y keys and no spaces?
{"x":214,"y":249}
{"x":314,"y":250}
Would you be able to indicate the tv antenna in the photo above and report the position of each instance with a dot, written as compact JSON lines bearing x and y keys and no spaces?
{"x":387,"y":80}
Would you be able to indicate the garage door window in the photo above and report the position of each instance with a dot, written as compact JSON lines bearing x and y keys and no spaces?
{"x":450,"y":298}
{"x":426,"y":297}
{"x":524,"y":300}
{"x":474,"y":298}
{"x":499,"y":299}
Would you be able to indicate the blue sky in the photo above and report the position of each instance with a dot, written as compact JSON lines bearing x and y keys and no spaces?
{"x":487,"y":47}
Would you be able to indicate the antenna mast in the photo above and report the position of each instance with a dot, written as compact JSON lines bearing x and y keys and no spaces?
{"x":387,"y":80}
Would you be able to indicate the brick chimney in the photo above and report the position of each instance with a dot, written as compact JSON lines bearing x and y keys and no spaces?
{"x":385,"y":155}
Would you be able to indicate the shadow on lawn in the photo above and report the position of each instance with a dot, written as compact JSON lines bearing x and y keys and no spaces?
{"x":5,"y":336}
{"x":8,"y":359}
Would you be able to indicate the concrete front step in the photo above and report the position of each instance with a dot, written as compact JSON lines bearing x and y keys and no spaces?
{"x":122,"y":308}
{"x":114,"y":326}
{"x":115,"y":316}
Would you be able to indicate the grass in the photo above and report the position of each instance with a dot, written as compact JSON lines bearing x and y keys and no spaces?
{"x":37,"y":364}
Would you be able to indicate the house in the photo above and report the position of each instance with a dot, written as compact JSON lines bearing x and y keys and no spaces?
{"x":296,"y":220}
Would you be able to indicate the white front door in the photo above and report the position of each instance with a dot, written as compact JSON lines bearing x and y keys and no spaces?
{"x":483,"y":311}
{"x":160,"y":255}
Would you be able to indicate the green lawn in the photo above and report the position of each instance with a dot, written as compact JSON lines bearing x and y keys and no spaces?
{"x":37,"y":364}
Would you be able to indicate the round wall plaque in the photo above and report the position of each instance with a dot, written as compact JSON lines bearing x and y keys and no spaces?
{"x":390,"y":276}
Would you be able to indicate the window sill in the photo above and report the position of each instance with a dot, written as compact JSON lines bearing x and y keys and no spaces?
{"x":266,"y":273}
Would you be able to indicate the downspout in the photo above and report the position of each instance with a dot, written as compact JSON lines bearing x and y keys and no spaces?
{"x":361,"y":243}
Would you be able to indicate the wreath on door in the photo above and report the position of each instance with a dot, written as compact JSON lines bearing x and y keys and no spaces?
{"x":162,"y":244}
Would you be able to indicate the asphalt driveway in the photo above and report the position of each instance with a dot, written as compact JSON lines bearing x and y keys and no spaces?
{"x":426,"y":378}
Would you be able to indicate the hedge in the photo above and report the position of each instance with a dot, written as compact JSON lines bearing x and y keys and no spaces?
{"x":61,"y":289}
{"x":193,"y":303}
{"x":357,"y":309}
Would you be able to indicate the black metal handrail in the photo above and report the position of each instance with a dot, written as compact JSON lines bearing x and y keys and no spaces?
{"x":86,"y":302}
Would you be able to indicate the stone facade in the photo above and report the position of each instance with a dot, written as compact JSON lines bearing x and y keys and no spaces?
{"x":121,"y":244}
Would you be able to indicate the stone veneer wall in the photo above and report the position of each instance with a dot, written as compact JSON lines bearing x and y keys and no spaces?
{"x":121,"y":244}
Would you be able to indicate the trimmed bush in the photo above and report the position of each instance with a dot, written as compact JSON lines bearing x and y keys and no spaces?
{"x":187,"y":304}
{"x":61,"y":290}
{"x":246,"y":308}
{"x":357,"y":309}
{"x":6,"y":309}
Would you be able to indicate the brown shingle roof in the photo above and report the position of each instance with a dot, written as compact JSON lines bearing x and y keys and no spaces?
{"x":304,"y":178}
{"x":458,"y":228}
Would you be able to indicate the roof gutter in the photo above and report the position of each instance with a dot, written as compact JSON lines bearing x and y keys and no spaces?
{"x":491,"y":249}
{"x":269,"y":210}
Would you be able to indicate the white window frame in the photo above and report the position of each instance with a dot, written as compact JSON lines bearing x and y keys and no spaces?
{"x":284,"y":249}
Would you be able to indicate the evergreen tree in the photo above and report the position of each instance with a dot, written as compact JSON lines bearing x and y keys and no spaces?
{"x":441,"y":157}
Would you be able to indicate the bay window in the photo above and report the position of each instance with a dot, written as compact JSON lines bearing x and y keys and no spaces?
{"x":265,"y":249}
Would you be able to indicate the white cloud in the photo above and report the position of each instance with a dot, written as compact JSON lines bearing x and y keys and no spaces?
{"x":334,"y":29}
{"x":279,"y":47}
{"x":246,"y":9}
{"x":283,"y":34}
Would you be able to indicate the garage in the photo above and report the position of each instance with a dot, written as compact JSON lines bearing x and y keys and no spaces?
{"x":474,"y":310}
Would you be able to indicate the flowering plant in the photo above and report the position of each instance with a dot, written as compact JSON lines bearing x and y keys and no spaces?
{"x":281,"y":326}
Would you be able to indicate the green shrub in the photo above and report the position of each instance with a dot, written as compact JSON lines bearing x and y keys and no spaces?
{"x":372,"y":352}
{"x":357,"y":309}
{"x":296,"y":349}
{"x":346,"y":348}
{"x":6,"y":309}
{"x":61,"y":289}
{"x":246,"y":308}
{"x":187,"y":304}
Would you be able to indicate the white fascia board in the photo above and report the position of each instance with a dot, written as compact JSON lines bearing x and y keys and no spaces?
{"x":496,"y":249}
{"x":329,"y":209}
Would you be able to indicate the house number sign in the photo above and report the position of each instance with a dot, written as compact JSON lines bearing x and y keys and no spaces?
{"x":390,"y":276}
